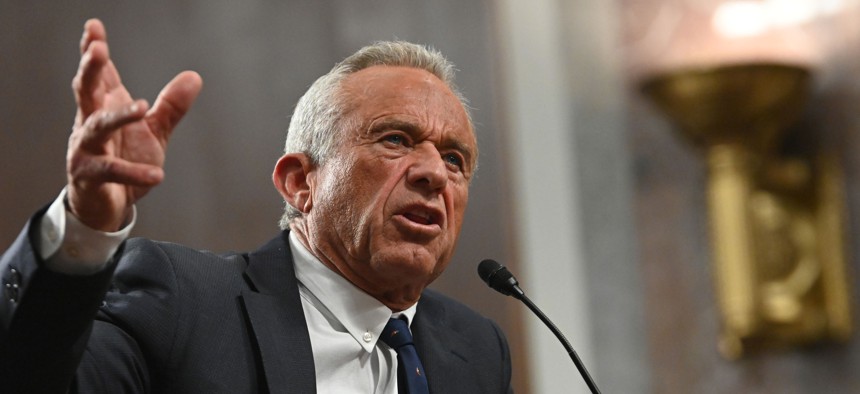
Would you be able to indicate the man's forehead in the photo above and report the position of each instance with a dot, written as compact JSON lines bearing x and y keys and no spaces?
{"x":395,"y":89}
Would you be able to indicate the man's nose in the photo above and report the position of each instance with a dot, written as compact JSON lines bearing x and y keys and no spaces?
{"x":428,"y":170}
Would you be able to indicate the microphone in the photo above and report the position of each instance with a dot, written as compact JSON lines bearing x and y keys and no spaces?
{"x":500,"y":279}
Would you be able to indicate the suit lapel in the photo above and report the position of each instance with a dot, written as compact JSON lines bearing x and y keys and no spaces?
{"x":277,"y":320}
{"x":443,"y":352}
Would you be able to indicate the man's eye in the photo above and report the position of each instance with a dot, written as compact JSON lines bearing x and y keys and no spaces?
{"x":453,"y":159}
{"x":395,"y":139}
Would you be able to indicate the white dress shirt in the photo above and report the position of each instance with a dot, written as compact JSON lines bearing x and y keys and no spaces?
{"x":344,"y":322}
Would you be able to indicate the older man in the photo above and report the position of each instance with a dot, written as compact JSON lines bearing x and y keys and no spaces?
{"x":379,"y":156}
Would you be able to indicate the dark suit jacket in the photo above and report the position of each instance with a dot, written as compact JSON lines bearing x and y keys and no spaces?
{"x":170,"y":319}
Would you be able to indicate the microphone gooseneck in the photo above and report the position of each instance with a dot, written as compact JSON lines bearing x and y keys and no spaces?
{"x":500,"y":279}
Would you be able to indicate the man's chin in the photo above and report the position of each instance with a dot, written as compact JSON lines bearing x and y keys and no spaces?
{"x":406,"y":259}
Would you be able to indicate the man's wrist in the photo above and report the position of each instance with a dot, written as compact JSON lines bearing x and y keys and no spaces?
{"x":67,"y":245}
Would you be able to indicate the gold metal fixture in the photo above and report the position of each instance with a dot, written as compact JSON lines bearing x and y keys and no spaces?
{"x":776,"y":220}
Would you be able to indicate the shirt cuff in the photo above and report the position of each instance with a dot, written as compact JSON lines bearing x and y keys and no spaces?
{"x":69,"y":246}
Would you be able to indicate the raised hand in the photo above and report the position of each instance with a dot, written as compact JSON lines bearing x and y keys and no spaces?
{"x":117,"y":146}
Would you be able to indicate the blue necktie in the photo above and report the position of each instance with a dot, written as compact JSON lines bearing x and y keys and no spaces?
{"x":409,"y":369}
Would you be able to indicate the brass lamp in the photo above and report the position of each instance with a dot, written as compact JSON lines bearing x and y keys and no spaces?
{"x":776,"y":220}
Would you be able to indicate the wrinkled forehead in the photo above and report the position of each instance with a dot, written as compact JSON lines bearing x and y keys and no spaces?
{"x":380,"y":91}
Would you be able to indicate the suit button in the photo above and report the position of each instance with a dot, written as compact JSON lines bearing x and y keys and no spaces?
{"x":11,"y":285}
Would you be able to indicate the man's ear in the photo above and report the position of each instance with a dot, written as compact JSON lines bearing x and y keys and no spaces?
{"x":291,"y":179}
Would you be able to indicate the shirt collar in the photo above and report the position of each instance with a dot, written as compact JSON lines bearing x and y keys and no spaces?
{"x":356,"y":310}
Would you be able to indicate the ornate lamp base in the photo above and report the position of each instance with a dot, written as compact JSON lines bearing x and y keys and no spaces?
{"x":776,"y":221}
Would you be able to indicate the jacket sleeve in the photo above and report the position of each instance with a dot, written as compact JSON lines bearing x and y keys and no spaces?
{"x":45,"y":318}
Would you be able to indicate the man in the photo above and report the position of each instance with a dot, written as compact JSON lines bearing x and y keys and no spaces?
{"x":379,"y":156}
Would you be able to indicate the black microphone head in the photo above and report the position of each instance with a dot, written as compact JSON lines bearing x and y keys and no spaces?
{"x":498,"y":277}
{"x":487,"y":268}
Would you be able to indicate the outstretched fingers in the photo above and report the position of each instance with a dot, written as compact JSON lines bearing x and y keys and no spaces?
{"x":116,"y":149}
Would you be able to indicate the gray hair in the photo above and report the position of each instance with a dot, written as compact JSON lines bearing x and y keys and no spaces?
{"x":317,"y":119}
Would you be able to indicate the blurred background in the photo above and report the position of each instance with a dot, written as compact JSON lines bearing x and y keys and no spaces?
{"x":584,"y":190}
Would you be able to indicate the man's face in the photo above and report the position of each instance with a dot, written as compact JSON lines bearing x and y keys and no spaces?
{"x":388,"y":204}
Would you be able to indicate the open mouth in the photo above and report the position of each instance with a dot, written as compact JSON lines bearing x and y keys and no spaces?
{"x":418,"y":218}
{"x":423,"y":215}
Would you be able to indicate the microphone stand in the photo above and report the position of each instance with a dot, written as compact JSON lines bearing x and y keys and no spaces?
{"x":500,"y":279}
{"x":520,"y":295}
